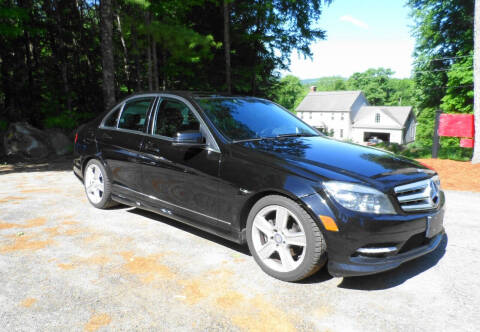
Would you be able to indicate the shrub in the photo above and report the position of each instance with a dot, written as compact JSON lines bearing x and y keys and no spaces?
{"x":3,"y":125}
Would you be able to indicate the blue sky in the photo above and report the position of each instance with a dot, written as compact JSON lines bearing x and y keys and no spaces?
{"x":361,"y":34}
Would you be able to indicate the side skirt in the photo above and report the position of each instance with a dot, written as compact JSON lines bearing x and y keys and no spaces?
{"x":232,"y":235}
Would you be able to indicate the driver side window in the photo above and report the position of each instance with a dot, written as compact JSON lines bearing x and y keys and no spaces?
{"x":172,"y":117}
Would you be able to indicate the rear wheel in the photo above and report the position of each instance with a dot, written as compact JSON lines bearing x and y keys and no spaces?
{"x":97,"y":185}
{"x":284,"y":240}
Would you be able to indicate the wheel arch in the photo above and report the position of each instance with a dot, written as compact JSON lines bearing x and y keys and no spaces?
{"x":96,"y":157}
{"x":259,"y":195}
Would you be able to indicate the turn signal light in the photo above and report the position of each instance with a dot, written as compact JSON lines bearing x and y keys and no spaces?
{"x":329,"y":223}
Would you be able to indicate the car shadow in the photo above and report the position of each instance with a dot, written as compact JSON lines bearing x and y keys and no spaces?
{"x":318,"y":277}
{"x":243,"y":249}
{"x":378,"y":281}
{"x":399,"y":275}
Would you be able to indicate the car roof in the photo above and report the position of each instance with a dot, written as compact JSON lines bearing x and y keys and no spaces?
{"x":190,"y":94}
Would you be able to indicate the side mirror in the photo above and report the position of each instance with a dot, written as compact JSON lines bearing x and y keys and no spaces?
{"x":189,"y":138}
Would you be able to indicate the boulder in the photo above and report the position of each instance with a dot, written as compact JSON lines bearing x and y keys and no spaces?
{"x":59,"y":142}
{"x":25,"y":140}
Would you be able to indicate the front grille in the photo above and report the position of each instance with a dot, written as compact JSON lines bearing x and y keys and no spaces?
{"x":421,"y":195}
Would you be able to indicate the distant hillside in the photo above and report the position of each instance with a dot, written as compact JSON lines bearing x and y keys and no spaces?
{"x":309,"y":81}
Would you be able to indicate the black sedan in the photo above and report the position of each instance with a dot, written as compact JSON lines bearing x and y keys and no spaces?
{"x":248,"y":170}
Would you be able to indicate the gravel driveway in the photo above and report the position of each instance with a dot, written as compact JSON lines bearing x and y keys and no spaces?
{"x":65,"y":265}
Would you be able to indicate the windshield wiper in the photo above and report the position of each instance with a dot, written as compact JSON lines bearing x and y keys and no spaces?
{"x":272,"y":137}
{"x":248,"y":139}
{"x":295,"y":135}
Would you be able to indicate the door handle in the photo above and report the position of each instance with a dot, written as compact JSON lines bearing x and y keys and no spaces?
{"x":150,"y":147}
{"x":106,"y":136}
{"x":156,"y":150}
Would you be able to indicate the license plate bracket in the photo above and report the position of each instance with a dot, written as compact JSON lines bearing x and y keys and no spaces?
{"x":434,"y":224}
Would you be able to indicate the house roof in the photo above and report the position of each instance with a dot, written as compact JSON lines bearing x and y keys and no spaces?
{"x":328,"y":101}
{"x":399,"y":114}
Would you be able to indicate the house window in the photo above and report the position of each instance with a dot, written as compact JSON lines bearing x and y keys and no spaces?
{"x":310,"y":115}
{"x":377,"y":118}
{"x":341,"y":133}
{"x":342,"y":116}
{"x":333,"y":116}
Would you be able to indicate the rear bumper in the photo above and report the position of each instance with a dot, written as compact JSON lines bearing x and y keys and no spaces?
{"x":77,"y":170}
{"x":360,"y":265}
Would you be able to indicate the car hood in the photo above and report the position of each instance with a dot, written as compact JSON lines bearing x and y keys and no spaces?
{"x":332,"y":159}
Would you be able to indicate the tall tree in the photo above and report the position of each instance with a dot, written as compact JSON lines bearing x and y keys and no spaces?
{"x":444,"y":42}
{"x":443,"y":31}
{"x":476,"y":73}
{"x":106,"y":43}
{"x":226,"y":42}
{"x":289,"y":92}
{"x":51,"y":46}
{"x":374,"y":83}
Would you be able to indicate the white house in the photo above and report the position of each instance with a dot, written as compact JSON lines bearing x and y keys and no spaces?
{"x":349,"y":116}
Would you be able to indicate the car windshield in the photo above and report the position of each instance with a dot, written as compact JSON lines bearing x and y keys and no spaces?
{"x":245,"y":118}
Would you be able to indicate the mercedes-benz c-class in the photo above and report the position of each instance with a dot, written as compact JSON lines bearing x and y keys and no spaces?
{"x":248,"y":170}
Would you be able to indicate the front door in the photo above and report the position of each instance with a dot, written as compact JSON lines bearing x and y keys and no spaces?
{"x":180,"y":180}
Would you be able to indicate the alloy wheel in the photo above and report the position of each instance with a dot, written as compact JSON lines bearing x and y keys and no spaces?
{"x":279,"y":238}
{"x":94,"y":183}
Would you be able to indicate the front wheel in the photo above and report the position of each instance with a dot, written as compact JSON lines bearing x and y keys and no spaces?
{"x":284,"y":240}
{"x":97,"y":185}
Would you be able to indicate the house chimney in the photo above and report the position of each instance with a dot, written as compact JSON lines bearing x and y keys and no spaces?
{"x":313,"y":88}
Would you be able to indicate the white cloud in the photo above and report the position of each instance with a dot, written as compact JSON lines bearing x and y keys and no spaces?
{"x":344,"y":58}
{"x":354,"y":21}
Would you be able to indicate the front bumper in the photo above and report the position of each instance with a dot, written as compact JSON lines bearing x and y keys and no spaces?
{"x":406,"y":233}
{"x":361,"y":265}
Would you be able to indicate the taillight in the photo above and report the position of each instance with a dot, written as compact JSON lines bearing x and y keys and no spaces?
{"x":76,"y":137}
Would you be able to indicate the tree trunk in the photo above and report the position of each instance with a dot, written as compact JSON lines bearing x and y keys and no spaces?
{"x":149,"y":54}
{"x":155,"y":65}
{"x":149,"y":65}
{"x":138,"y":78}
{"x":476,"y":81}
{"x":106,"y":40}
{"x":164,"y":65}
{"x":125,"y":53}
{"x":226,"y":40}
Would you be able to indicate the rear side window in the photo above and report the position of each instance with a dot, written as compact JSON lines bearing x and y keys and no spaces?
{"x":111,"y":119}
{"x":134,"y":114}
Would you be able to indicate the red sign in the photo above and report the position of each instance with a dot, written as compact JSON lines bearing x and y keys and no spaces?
{"x":466,"y":143}
{"x":456,"y":125}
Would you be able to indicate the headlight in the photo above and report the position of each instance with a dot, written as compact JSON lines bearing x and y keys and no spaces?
{"x":436,"y":179}
{"x":359,"y":198}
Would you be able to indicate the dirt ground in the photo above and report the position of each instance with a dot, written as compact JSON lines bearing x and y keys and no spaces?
{"x":65,"y":265}
{"x":456,"y":175}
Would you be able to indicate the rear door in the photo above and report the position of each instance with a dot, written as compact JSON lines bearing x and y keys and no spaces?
{"x":120,"y":137}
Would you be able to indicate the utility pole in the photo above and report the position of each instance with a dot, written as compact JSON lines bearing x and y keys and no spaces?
{"x":476,"y":83}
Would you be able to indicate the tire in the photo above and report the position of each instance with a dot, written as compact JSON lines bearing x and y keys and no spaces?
{"x":273,"y":242}
{"x":98,"y":186}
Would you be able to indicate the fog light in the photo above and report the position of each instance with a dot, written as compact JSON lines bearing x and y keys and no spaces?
{"x":376,"y":251}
